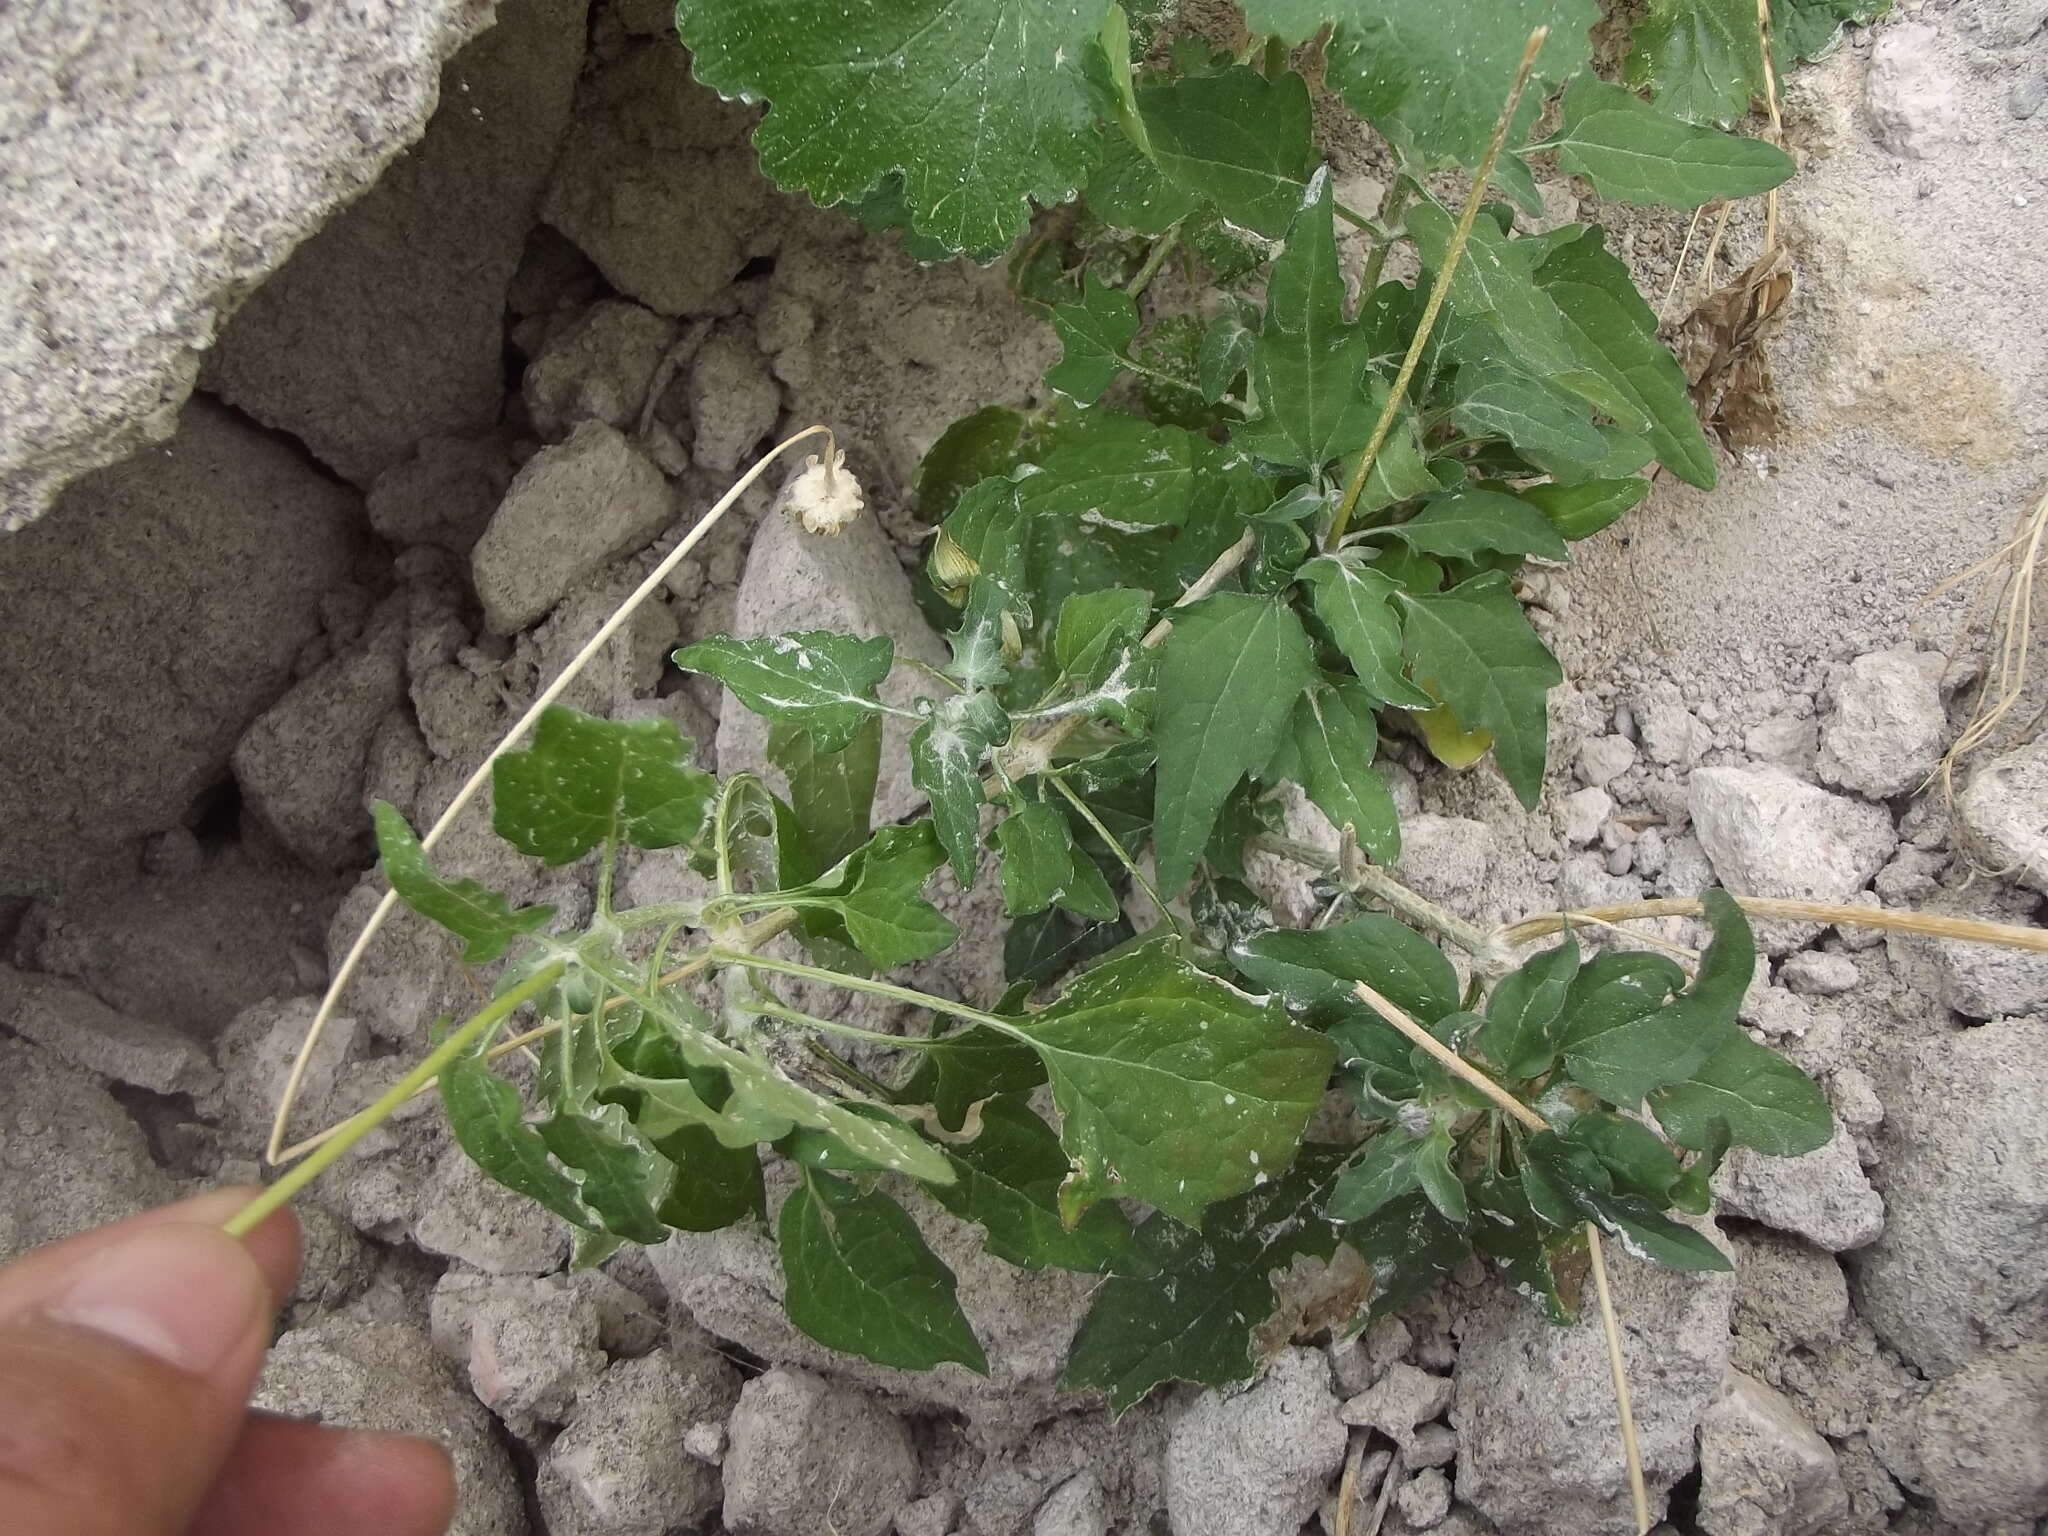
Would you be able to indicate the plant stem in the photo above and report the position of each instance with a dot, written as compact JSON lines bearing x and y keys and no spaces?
{"x":607,"y":866}
{"x":929,"y":671}
{"x":1123,"y":855}
{"x":832,"y":1061}
{"x":1437,"y":292}
{"x":1931,"y":924}
{"x":1451,"y":1060}
{"x":1366,"y":222}
{"x":850,"y":1031}
{"x":1154,"y":260}
{"x":356,"y":1127}
{"x":1390,"y":209}
{"x":1371,"y":880}
{"x":874,"y":988}
{"x":476,"y":781}
{"x":1617,"y":1370}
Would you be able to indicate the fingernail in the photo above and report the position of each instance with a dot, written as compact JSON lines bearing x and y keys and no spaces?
{"x":180,"y":1293}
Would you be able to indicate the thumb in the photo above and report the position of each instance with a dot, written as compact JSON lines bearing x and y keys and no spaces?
{"x":125,"y":1368}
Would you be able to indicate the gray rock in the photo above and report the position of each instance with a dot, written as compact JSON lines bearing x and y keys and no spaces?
{"x":1402,"y":1399}
{"x":529,"y":1343}
{"x":623,"y":1467}
{"x":1988,"y":981}
{"x":1909,"y":95}
{"x":1435,"y":1445}
{"x":388,"y":325}
{"x":1556,"y":1468}
{"x":78,"y":1028}
{"x":596,"y":368}
{"x":854,"y":585}
{"x":1077,"y":1507}
{"x":1674,"y":736}
{"x":1603,"y":759}
{"x":1768,"y":834}
{"x":1789,"y":741}
{"x":255,"y":1054}
{"x":2026,"y":96}
{"x":70,"y":1158}
{"x":444,"y":494}
{"x":1581,"y":814}
{"x":1424,"y":1500}
{"x":300,"y":766}
{"x":159,"y":164}
{"x":1963,"y":1260}
{"x":1888,"y":729}
{"x":654,"y":166}
{"x":573,"y":509}
{"x":1763,"y":1469}
{"x":1446,"y":858}
{"x":1819,"y":973}
{"x":191,"y":574}
{"x":1788,"y":1293}
{"x":807,"y":1456}
{"x":1260,"y":1462}
{"x":465,"y":1215}
{"x":1822,"y":1197}
{"x":1983,"y":1440}
{"x":414,"y":975}
{"x":335,"y":1264}
{"x":381,"y":1376}
{"x":932,"y":1515}
{"x":734,"y":402}
{"x":2004,"y":815}
{"x":1360,"y":1361}
{"x":192,"y":948}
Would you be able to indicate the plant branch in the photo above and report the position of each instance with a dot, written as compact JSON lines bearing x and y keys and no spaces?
{"x":1123,"y":854}
{"x":874,"y":988}
{"x":1437,"y":292}
{"x":1931,"y":925}
{"x":1154,"y":260}
{"x":1371,"y":880}
{"x":476,"y":781}
{"x":1391,"y":204}
{"x":359,"y":1125}
{"x":1524,"y":1115}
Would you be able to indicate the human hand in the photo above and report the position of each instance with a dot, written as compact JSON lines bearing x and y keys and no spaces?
{"x":127,"y":1356}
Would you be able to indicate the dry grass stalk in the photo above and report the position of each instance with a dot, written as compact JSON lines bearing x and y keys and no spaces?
{"x":1927,"y":924}
{"x":2012,"y":636}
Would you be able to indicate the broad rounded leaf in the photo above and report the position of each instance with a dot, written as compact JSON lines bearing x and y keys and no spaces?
{"x":820,"y":681}
{"x":1095,"y":332}
{"x":1764,"y":1101}
{"x":585,"y":782}
{"x":1469,"y":523}
{"x":1236,"y":139}
{"x":980,"y":104}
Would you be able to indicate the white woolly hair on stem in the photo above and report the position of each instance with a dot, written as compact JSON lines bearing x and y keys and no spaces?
{"x":597,"y":642}
{"x":1617,"y":1365}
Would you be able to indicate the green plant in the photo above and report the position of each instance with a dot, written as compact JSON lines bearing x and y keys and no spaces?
{"x":1307,"y":530}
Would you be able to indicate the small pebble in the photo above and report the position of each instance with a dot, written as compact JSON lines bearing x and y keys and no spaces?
{"x":2027,"y":96}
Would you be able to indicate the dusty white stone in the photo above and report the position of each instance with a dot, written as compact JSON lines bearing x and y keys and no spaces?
{"x":1258,"y":1462}
{"x":598,"y":367}
{"x":1985,"y":981}
{"x":1424,"y":1500}
{"x":1910,"y":97}
{"x":1673,"y":735}
{"x":807,"y":1456}
{"x":1963,"y":1259}
{"x":1818,"y":973}
{"x":255,"y":1054}
{"x":465,"y":1215}
{"x":1401,"y":1399}
{"x":1077,"y":1507}
{"x":1787,"y":1292}
{"x":443,"y":494}
{"x":1768,"y":834}
{"x":1553,"y":1468}
{"x":734,"y":402}
{"x":1983,"y":1440}
{"x":1888,"y":728}
{"x":159,"y":164}
{"x":529,"y":1343}
{"x":1603,"y":759}
{"x":77,"y":1027}
{"x":623,"y":1467}
{"x":1823,"y":1196}
{"x":1581,"y":815}
{"x":1789,"y":741}
{"x":1763,"y":1469}
{"x":574,"y":508}
{"x":1446,"y":858}
{"x":2004,"y":815}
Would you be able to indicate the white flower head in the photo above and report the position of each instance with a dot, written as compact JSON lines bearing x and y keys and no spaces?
{"x":824,"y":498}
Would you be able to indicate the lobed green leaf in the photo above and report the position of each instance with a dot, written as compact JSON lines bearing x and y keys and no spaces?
{"x":819,"y":681}
{"x":487,"y":923}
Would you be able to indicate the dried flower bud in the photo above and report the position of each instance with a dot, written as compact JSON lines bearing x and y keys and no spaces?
{"x":824,"y":498}
{"x":953,"y":569}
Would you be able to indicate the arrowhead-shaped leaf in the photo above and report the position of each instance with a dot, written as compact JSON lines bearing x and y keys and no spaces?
{"x":1008,"y":1185}
{"x":1493,"y":286}
{"x":831,"y":794}
{"x":1335,"y":738}
{"x":1547,"y":426}
{"x":481,"y":917}
{"x":1475,"y":647}
{"x":1356,"y":602}
{"x":585,"y":782}
{"x":1228,"y":678}
{"x":1236,"y":139}
{"x":1173,"y":1087}
{"x":1314,"y":971}
{"x":858,"y":1277}
{"x":1558,"y":1175}
{"x":820,"y":681}
{"x":623,"y":1178}
{"x":1042,"y":865}
{"x":489,"y":1122}
{"x":1473,"y":522}
{"x":1191,"y":1312}
{"x":1582,"y":510}
{"x":877,"y":895}
{"x":1634,"y":153}
{"x":1523,"y":1009}
{"x":981,"y":104}
{"x":1702,"y":60}
{"x":1763,"y":1100}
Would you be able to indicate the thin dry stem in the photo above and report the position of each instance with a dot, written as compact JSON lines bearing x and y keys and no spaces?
{"x":1438,"y":291}
{"x":2012,"y":636}
{"x":478,"y":779}
{"x":1452,"y":1061}
{"x":1617,"y":1369}
{"x":1763,"y":36}
{"x":1678,"y":269}
{"x":1931,"y":925}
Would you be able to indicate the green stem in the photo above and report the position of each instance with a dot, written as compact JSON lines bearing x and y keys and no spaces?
{"x":721,"y":830}
{"x":607,"y":866}
{"x":874,"y":989}
{"x":493,"y":1013}
{"x":1154,"y":260}
{"x":1391,"y":204}
{"x":930,"y":671}
{"x":832,"y":1061}
{"x":1117,"y":848}
{"x":1437,"y":292}
{"x":803,"y":1020}
{"x":1371,"y":226}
